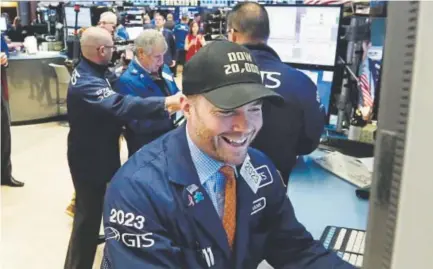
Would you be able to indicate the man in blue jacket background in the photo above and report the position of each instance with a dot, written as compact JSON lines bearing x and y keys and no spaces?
{"x":121,"y":32}
{"x":96,"y":114}
{"x":199,"y":197}
{"x":296,"y":128}
{"x":147,"y":76}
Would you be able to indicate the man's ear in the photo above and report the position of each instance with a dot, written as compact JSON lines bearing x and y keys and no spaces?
{"x":185,"y":106}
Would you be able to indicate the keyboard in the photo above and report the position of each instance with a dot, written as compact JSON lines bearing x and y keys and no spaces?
{"x":349,"y":244}
{"x":346,"y":167}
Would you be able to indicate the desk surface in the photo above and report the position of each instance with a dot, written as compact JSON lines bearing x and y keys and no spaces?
{"x":38,"y":55}
{"x":321,"y":199}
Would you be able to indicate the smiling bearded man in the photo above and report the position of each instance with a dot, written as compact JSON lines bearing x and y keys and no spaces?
{"x":199,"y":197}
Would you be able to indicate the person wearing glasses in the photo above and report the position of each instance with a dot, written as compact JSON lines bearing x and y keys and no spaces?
{"x":108,"y":21}
{"x":95,"y":114}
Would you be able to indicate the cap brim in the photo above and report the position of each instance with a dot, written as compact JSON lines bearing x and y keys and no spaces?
{"x":237,"y":95}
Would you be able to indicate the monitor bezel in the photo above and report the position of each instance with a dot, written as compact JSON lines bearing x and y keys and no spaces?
{"x":79,"y":26}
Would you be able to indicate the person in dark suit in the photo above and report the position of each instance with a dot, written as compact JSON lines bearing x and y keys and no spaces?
{"x":171,"y":55}
{"x":170,"y":23}
{"x":296,"y":128}
{"x":6,"y":166}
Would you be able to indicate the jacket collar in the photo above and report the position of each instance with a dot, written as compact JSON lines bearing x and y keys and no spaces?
{"x":183,"y":170}
{"x":98,"y":68}
{"x":136,"y":64}
{"x":264,"y":48}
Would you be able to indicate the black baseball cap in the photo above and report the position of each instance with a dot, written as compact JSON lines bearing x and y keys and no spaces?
{"x":226,"y":74}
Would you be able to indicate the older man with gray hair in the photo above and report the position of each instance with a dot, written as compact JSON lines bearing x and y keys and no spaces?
{"x":108,"y":21}
{"x":147,"y":76}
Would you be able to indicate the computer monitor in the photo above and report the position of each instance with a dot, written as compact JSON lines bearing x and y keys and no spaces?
{"x":41,"y":28}
{"x":133,"y":32}
{"x":305,"y":34}
{"x":3,"y":24}
{"x":84,"y":17}
{"x":189,"y":11}
{"x":323,"y":80}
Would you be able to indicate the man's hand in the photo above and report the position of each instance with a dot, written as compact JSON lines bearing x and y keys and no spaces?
{"x":4,"y":59}
{"x":366,"y":112}
{"x":172,"y":103}
{"x":173,"y":63}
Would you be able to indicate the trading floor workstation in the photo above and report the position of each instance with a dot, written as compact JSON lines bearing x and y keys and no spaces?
{"x":340,"y":47}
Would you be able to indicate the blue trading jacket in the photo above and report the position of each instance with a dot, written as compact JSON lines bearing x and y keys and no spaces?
{"x":95,"y":114}
{"x":180,"y":32}
{"x":122,"y":33}
{"x":4,"y":45}
{"x":296,"y":128}
{"x":136,"y":81}
{"x":158,"y":215}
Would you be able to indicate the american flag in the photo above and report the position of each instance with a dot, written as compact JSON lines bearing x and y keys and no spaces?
{"x":364,"y":84}
{"x":326,"y":2}
{"x":368,"y":80}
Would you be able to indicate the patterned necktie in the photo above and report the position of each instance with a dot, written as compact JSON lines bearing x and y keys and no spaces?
{"x":229,"y":218}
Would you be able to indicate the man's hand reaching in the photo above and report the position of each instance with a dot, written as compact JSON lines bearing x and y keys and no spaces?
{"x":172,"y":103}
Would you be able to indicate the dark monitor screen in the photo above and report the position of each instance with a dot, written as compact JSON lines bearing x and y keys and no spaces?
{"x":40,"y":29}
{"x":305,"y":34}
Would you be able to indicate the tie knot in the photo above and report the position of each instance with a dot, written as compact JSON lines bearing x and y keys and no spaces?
{"x":228,"y":172}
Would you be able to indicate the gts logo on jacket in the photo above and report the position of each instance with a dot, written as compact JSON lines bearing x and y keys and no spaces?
{"x":271,"y":79}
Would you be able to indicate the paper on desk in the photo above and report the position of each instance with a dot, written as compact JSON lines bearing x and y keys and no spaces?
{"x":368,"y":163}
{"x":346,"y":167}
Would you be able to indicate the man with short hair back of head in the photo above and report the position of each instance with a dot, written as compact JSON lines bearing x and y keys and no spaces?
{"x":97,"y":46}
{"x":199,"y":197}
{"x":147,"y":76}
{"x":296,"y":128}
{"x":95,"y":114}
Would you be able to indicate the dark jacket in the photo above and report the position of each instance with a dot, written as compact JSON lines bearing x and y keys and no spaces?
{"x":96,"y":115}
{"x":296,"y":128}
{"x":171,"y":53}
